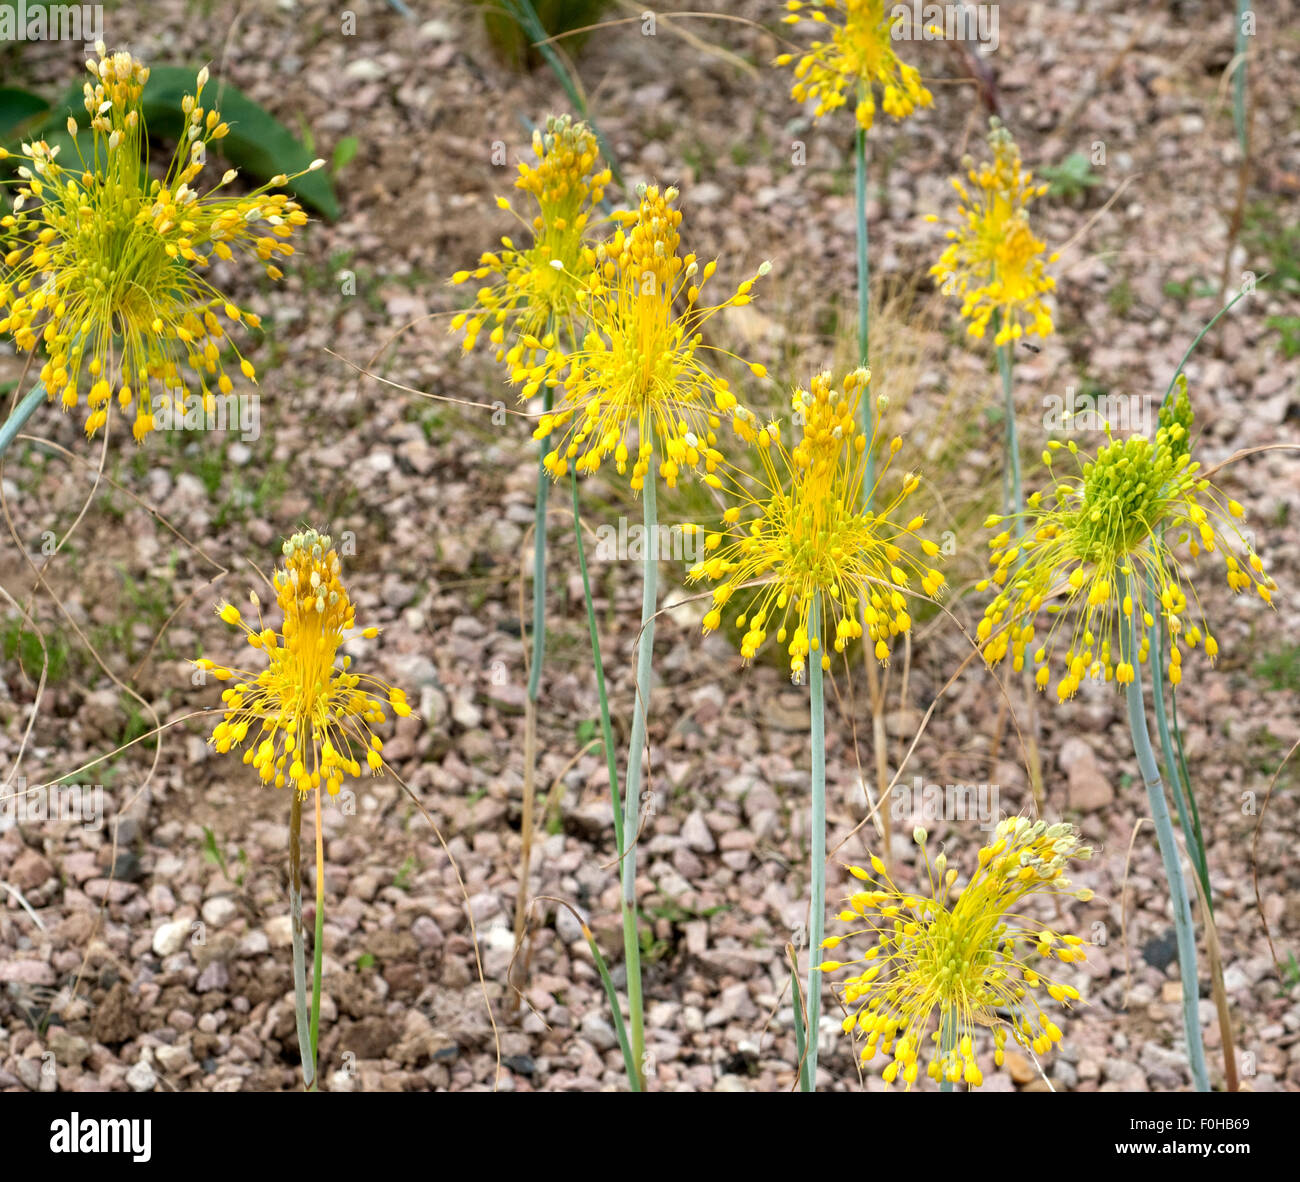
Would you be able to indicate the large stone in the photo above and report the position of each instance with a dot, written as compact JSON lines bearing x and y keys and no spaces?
{"x":1089,"y":789}
{"x":169,"y":938}
{"x":698,"y":837}
{"x":30,"y":870}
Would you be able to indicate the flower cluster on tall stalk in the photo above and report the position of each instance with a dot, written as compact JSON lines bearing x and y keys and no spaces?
{"x":939,"y":964}
{"x":1101,"y":550}
{"x":104,"y":267}
{"x":642,"y":389}
{"x":531,"y":306}
{"x":858,"y":63}
{"x":809,"y":553}
{"x":997,"y":266}
{"x":304,"y":721}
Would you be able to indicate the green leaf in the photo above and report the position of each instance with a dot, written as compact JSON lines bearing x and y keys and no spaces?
{"x":1072,"y":177}
{"x":345,"y":152}
{"x":258,"y":143}
{"x":19,"y":110}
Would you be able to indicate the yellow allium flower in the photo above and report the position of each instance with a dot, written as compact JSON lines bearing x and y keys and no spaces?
{"x":640,"y":366}
{"x":531,"y":297}
{"x":964,"y":956}
{"x":993,"y":260}
{"x":1097,"y":540}
{"x":810,"y":537}
{"x":859,"y":59}
{"x":106,"y":269}
{"x":307,"y":712}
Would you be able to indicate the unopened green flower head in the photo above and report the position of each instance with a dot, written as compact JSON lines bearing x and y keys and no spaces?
{"x":104,"y":268}
{"x":1097,"y":539}
{"x":640,"y":381}
{"x":858,"y":61}
{"x":803,"y":533}
{"x":306,"y":715}
{"x":530,"y":301}
{"x":939,"y":961}
{"x":993,"y":259}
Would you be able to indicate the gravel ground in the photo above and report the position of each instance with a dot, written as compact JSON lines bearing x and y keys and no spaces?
{"x":152,"y":952}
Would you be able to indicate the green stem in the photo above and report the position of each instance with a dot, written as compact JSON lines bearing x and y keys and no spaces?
{"x":864,"y":297}
{"x":632,"y":950}
{"x":629,"y":1063}
{"x":318,"y":950}
{"x":1183,"y":800}
{"x":536,"y":659}
{"x":947,"y":1044}
{"x":539,"y":564}
{"x":1168,"y":844}
{"x":1016,"y":496}
{"x":1239,"y":78}
{"x":1186,"y":780}
{"x":22,"y":412}
{"x":817,"y":868}
{"x":305,"y":1044}
{"x":636,"y":752}
{"x":606,"y":727}
{"x":800,"y":1035}
{"x":526,"y":16}
{"x":1241,"y":295}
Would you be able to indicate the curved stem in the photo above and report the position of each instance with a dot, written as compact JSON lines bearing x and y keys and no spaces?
{"x":817,"y":868}
{"x":1182,"y":907}
{"x":22,"y":412}
{"x":636,"y":754}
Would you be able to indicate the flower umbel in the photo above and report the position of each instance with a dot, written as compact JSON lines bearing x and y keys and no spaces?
{"x":968,"y":955}
{"x":1097,"y":539}
{"x":104,"y":267}
{"x":993,"y":260}
{"x":809,"y":536}
{"x":307,"y":712}
{"x":859,"y":59}
{"x":530,"y":299}
{"x":640,"y":366}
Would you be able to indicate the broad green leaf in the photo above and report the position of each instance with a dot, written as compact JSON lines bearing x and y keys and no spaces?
{"x":19,"y":110}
